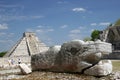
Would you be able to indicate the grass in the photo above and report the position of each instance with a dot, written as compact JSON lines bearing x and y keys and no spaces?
{"x":116,"y":65}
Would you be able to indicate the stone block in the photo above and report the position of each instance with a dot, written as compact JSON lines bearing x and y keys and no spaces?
{"x":103,"y":47}
{"x":24,"y":68}
{"x":103,"y":68}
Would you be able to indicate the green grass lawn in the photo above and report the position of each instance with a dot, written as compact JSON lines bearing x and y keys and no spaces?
{"x":116,"y":65}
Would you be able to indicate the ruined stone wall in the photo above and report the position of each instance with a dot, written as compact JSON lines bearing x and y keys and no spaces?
{"x":113,"y":55}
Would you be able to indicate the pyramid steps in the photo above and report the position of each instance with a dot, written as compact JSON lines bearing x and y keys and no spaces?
{"x":28,"y":45}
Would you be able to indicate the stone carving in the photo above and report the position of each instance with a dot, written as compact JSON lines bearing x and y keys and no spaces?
{"x":45,"y":60}
{"x":104,"y":67}
{"x":72,"y":56}
{"x":24,"y":68}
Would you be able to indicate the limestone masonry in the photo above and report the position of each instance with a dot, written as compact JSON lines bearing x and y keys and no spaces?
{"x":112,"y":35}
{"x":27,"y":46}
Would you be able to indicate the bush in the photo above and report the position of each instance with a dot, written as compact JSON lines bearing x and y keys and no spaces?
{"x":117,"y":23}
{"x":2,"y":53}
{"x":95,"y":35}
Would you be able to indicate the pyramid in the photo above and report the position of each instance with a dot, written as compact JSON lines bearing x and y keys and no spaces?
{"x":28,"y":45}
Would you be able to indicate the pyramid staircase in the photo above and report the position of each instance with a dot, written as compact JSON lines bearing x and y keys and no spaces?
{"x":28,"y":45}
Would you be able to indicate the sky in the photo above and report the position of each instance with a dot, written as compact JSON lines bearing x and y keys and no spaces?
{"x":54,"y":21}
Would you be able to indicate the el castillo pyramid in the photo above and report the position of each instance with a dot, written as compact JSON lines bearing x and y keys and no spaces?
{"x":28,"y":45}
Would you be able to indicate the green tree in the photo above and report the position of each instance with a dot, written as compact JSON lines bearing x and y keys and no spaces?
{"x":110,"y":25}
{"x":95,"y":35}
{"x":2,"y":53}
{"x":117,"y":23}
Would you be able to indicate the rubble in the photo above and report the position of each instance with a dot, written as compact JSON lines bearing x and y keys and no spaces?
{"x":24,"y":68}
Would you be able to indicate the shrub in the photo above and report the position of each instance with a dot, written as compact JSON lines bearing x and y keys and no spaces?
{"x":2,"y":53}
{"x":95,"y":35}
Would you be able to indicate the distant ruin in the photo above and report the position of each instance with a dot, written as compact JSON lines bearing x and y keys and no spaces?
{"x":112,"y":35}
{"x":28,"y":45}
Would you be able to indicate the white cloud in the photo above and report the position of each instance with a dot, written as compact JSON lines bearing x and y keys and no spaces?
{"x":43,"y":35}
{"x":44,"y":30}
{"x":8,"y":11}
{"x":84,"y":17}
{"x":3,"y":41}
{"x":6,"y":35}
{"x":100,"y":24}
{"x":93,"y":24}
{"x":9,"y":6}
{"x":40,"y":31}
{"x":62,"y":2}
{"x":75,"y":31}
{"x":40,"y":26}
{"x":50,"y":30}
{"x":90,"y":12}
{"x":3,"y":26}
{"x":92,"y":30}
{"x":36,"y":17}
{"x":78,"y":9}
{"x":6,"y":41}
{"x":29,"y":30}
{"x":79,"y":33}
{"x":43,"y":26}
{"x":104,"y":23}
{"x":82,"y":27}
{"x":2,"y":33}
{"x":75,"y":36}
{"x":10,"y":34}
{"x":72,"y":35}
{"x":9,"y":18}
{"x":64,"y":26}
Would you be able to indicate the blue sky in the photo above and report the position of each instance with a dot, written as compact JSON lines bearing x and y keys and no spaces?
{"x":54,"y":21}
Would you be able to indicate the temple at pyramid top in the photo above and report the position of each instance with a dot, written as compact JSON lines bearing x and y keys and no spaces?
{"x":28,"y":45}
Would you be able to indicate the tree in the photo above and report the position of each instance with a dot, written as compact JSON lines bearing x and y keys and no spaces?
{"x":110,"y":25}
{"x":95,"y":35}
{"x":2,"y":53}
{"x":117,"y":23}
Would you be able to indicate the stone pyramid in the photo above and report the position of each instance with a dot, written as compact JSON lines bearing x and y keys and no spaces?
{"x":28,"y":45}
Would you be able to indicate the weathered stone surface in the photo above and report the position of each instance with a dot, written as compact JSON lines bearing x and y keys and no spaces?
{"x":46,"y":59}
{"x":24,"y":68}
{"x":116,"y":75}
{"x":103,"y":47}
{"x":103,"y":68}
{"x":112,"y":35}
{"x":72,"y":56}
{"x":68,"y":58}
